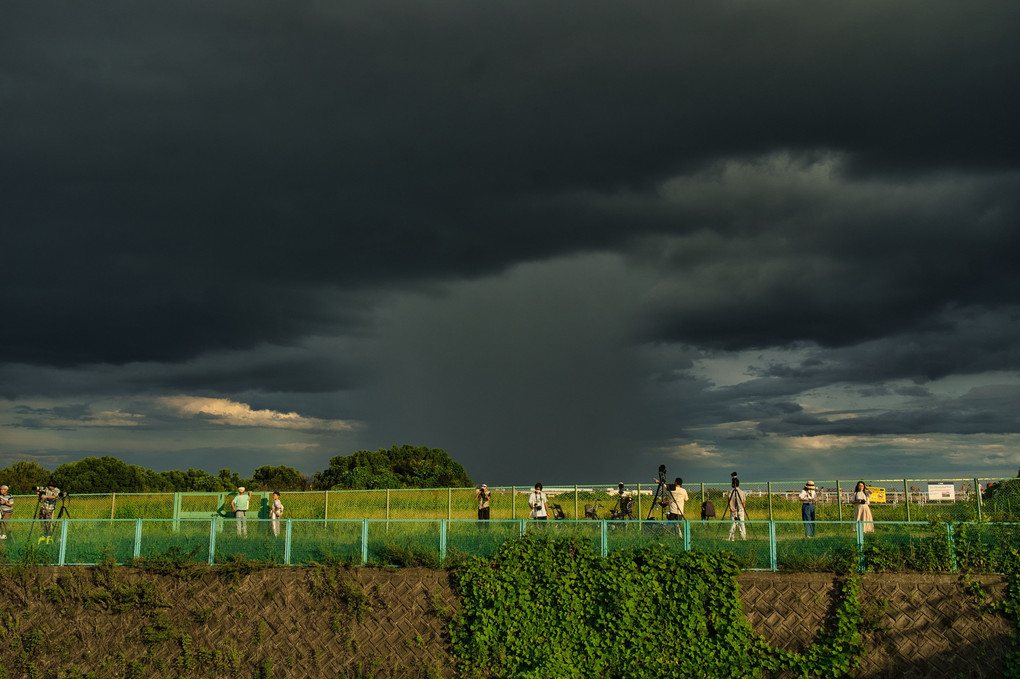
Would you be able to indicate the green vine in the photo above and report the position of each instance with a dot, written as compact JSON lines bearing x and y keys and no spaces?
{"x":553,"y":608}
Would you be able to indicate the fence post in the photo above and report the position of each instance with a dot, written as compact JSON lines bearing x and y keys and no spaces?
{"x":325,"y":508}
{"x":113,"y":501}
{"x":513,"y":502}
{"x":952,"y":546}
{"x":449,"y":503}
{"x":524,"y":528}
{"x":364,"y":541}
{"x":639,"y":515}
{"x":387,"y":508}
{"x":977,"y":496}
{"x":61,"y":559}
{"x":703,"y":498}
{"x":605,"y":540}
{"x":442,"y":540}
{"x":687,"y":535}
{"x":212,"y":541}
{"x":906,"y":495}
{"x":575,"y":502}
{"x":769,"y":488}
{"x":286,"y":545}
{"x":773,"y":557}
{"x":860,"y":545}
{"x":839,"y":502}
{"x":138,"y":538}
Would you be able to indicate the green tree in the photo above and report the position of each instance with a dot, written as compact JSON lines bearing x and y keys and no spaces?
{"x":399,"y":467}
{"x":107,"y":474}
{"x":23,"y":476}
{"x":194,"y":480}
{"x":278,"y":478}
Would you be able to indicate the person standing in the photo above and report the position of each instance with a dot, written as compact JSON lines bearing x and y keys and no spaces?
{"x":47,"y":505}
{"x":862,"y":499}
{"x":539,"y":504}
{"x":737,"y":501}
{"x":6,"y":509}
{"x":483,"y":497}
{"x":807,"y":508}
{"x":240,"y":506}
{"x":275,"y":512}
{"x":677,"y":497}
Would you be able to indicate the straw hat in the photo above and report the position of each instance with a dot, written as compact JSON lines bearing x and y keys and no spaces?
{"x":810,"y":485}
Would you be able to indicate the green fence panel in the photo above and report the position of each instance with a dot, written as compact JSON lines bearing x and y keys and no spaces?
{"x":404,"y":543}
{"x":316,"y":541}
{"x":465,"y":539}
{"x":184,"y":538}
{"x":95,"y":541}
{"x":752,"y":552}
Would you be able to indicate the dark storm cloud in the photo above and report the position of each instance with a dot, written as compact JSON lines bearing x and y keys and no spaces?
{"x":187,"y":176}
{"x":988,"y":410}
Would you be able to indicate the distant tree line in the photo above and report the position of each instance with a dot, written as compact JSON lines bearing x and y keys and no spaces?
{"x":399,"y":467}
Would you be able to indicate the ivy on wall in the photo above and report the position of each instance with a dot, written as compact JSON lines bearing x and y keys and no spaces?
{"x":553,"y":608}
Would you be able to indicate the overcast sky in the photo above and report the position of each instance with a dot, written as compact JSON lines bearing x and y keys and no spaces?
{"x":564,"y":241}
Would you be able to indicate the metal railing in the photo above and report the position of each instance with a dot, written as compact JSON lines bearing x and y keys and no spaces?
{"x":766,"y":545}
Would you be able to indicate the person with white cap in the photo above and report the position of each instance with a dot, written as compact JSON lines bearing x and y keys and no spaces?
{"x":483,"y":496}
{"x":240,"y":506}
{"x":807,"y":508}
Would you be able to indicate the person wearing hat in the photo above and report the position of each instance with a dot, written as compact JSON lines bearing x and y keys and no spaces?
{"x":483,"y":496}
{"x":240,"y":506}
{"x":807,"y":508}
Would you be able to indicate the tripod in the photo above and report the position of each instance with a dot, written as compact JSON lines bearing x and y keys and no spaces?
{"x":64,"y":511}
{"x":659,"y":494}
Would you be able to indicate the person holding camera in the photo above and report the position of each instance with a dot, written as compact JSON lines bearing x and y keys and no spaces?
{"x":862,"y":500}
{"x":240,"y":506}
{"x":6,"y":509}
{"x":539,"y":504}
{"x":47,"y":505}
{"x":483,"y":497}
{"x":737,"y":500}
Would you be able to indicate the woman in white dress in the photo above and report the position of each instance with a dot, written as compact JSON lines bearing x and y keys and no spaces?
{"x":862,"y":498}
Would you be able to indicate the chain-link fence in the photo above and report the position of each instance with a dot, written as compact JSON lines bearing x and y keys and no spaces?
{"x":757,"y":544}
{"x":952,"y":500}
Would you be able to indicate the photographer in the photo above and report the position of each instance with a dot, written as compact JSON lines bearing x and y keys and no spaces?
{"x":677,"y":495}
{"x":6,"y":509}
{"x":483,"y":497}
{"x":47,"y":505}
{"x":539,"y":504}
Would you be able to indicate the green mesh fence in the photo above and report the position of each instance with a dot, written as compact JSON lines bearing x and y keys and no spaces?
{"x":325,"y":541}
{"x":752,"y":549}
{"x":833,"y":546}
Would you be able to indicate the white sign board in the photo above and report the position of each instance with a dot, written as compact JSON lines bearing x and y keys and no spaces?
{"x":941,"y":491}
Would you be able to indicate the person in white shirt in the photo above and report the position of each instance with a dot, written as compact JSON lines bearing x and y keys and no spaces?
{"x":807,"y":508}
{"x":677,"y":495}
{"x":539,"y":504}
